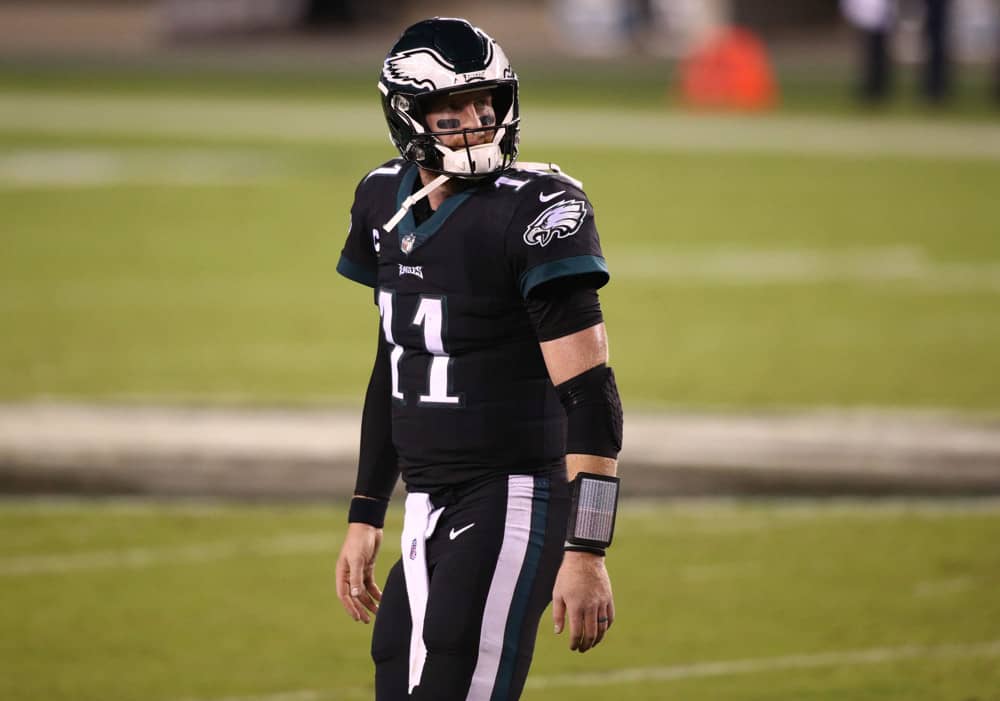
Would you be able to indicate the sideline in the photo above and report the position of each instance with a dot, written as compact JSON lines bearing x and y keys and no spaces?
{"x":311,"y":453}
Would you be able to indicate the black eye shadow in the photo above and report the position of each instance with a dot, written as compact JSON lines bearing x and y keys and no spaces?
{"x":488,"y":120}
{"x":448,"y":124}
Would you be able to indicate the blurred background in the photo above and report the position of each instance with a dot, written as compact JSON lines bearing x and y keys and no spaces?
{"x":799,"y":207}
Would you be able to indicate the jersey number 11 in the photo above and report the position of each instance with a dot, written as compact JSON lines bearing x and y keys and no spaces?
{"x":429,"y":315}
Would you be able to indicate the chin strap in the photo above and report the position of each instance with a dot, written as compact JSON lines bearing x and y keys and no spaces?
{"x":413,"y":199}
{"x":442,"y":179}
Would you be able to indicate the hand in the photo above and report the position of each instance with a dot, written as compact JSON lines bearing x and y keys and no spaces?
{"x":356,"y":571}
{"x":582,"y":594}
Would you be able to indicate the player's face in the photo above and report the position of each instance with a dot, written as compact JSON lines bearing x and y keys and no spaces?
{"x":462,"y":110}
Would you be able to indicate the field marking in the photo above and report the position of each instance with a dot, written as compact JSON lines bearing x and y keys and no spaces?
{"x":224,"y":119}
{"x":754,"y":266}
{"x":298,"y":695}
{"x":707,"y":512}
{"x":767,"y":664}
{"x":98,"y":167}
{"x":155,"y":507}
{"x":890,"y":509}
{"x":137,"y":558}
{"x":356,"y":122}
{"x":711,"y":509}
{"x":942,"y":587}
{"x":696,"y":670}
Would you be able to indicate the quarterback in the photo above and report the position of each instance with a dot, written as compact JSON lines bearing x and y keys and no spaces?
{"x":491,"y":394}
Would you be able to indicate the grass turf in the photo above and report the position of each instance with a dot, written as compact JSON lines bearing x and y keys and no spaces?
{"x":739,"y":279}
{"x":191,"y":264}
{"x":172,"y":601}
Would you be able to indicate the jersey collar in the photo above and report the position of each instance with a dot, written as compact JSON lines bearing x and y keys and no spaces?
{"x":430,"y":226}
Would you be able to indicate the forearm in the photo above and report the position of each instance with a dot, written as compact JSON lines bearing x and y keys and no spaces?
{"x":576,"y":463}
{"x":378,"y":467}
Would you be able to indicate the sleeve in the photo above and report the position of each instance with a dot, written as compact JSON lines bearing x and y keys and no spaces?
{"x":359,"y":257}
{"x":563,"y":307}
{"x":378,"y":466}
{"x":553,"y":235}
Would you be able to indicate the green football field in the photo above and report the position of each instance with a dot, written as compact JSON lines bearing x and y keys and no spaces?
{"x":135,"y":601}
{"x":176,"y":241}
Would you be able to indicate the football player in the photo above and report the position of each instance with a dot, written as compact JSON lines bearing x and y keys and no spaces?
{"x":491,"y":392}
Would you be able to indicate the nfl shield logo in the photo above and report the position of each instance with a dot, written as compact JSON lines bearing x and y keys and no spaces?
{"x":413,"y":549}
{"x":406,"y":243}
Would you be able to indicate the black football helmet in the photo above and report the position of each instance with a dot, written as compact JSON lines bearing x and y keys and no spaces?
{"x":436,"y":57}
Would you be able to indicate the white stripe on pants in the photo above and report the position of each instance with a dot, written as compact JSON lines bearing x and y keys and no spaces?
{"x":419,"y":520}
{"x":517,"y":529}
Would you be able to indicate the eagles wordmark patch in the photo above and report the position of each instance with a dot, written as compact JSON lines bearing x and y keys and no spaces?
{"x":558,"y":221}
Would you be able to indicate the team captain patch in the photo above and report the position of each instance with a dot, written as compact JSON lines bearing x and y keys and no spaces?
{"x":562,"y":219}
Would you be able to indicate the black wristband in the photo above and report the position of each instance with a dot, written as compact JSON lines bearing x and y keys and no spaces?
{"x":370,"y":511}
{"x":573,"y":548}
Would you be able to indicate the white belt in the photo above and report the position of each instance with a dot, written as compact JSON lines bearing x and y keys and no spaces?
{"x":419,"y":521}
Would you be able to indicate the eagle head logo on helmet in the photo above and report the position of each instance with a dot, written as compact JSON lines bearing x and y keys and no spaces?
{"x":558,"y":221}
{"x":432,"y":58}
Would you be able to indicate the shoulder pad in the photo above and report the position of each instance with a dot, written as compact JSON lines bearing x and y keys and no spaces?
{"x":391,"y":167}
{"x":546,"y":188}
{"x":546,"y":170}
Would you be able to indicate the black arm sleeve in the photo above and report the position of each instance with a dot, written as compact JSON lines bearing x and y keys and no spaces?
{"x":563,"y":306}
{"x":378,"y":467}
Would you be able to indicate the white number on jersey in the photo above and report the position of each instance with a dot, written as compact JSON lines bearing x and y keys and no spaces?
{"x":385,"y":300}
{"x":429,"y":315}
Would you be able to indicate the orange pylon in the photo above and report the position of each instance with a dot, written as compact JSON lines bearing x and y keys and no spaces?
{"x":729,"y":71}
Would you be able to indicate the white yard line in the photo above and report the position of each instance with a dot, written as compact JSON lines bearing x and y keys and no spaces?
{"x":223,"y":119}
{"x":75,"y":167}
{"x":714,"y":514}
{"x":743,"y":266}
{"x":148,"y":507}
{"x":299,"y":695}
{"x":886,"y":508}
{"x":697,"y":670}
{"x":356,"y":122}
{"x":847,"y":658}
{"x":942,"y":587}
{"x":852,"y":137}
{"x":137,"y":558}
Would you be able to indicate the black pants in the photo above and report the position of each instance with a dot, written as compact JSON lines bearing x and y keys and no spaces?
{"x":491,"y":562}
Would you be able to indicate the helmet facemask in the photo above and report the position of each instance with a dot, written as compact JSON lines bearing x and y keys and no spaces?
{"x":471,"y":158}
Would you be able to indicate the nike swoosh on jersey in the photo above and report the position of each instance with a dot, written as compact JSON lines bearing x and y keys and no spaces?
{"x":542,"y":197}
{"x":454,"y":534}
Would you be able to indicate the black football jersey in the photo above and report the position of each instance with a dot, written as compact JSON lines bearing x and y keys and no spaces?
{"x":470,"y":392}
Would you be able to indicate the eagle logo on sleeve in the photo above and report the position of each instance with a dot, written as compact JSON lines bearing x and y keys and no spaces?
{"x":562,"y":219}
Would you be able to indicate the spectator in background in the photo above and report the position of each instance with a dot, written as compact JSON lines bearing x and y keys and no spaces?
{"x":875,"y":19}
{"x":937,"y":66}
{"x":996,"y":68}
